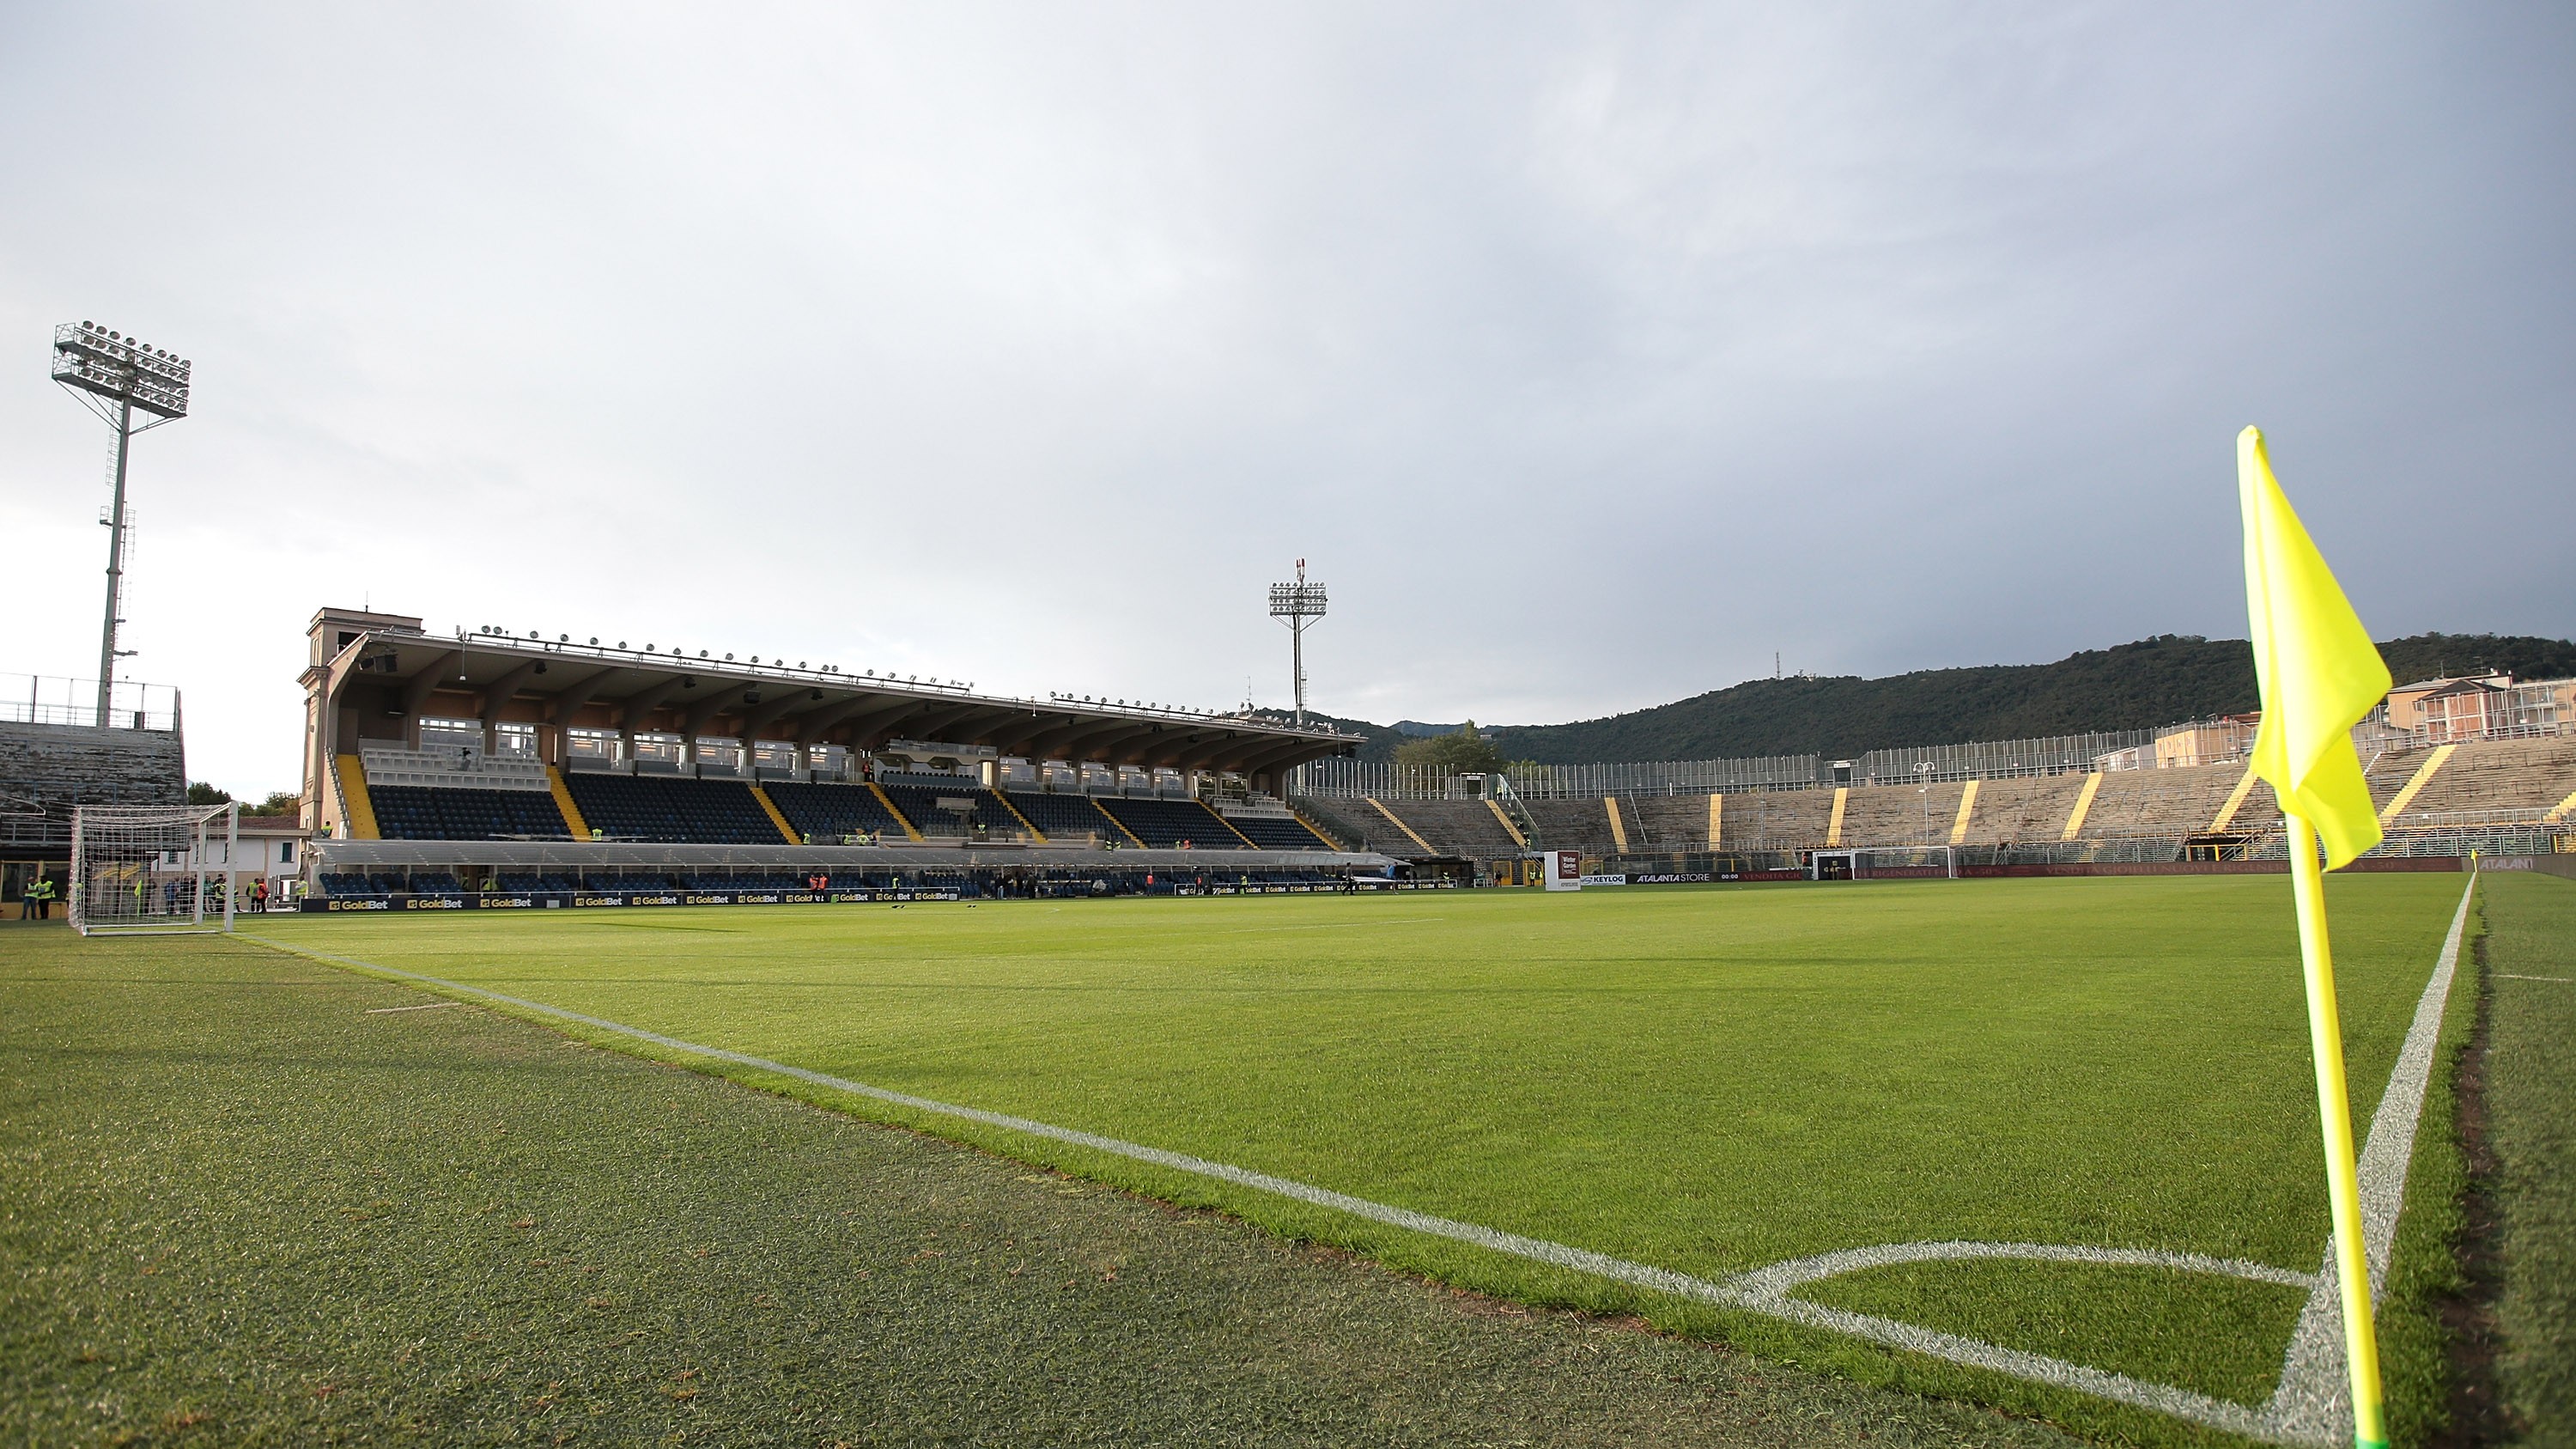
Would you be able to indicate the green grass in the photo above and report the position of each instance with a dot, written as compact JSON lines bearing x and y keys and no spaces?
{"x":2531,"y":1106}
{"x":1706,"y":1080}
{"x":240,"y":1203}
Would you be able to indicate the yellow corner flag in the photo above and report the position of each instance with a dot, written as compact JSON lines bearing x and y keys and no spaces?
{"x":2320,"y":674}
{"x":2319,"y":671}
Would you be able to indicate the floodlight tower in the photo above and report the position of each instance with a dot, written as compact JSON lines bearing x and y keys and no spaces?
{"x":1294,"y":604}
{"x":116,"y":376}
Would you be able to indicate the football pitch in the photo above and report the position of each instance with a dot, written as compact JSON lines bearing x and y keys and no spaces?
{"x":1695,"y":1082}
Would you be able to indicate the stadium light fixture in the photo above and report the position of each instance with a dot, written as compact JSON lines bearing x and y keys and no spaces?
{"x":114,"y":375}
{"x":1296,"y":604}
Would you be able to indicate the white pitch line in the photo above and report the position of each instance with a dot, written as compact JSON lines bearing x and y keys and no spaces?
{"x":2561,"y":980}
{"x":2313,"y":1404}
{"x":2302,"y":1411}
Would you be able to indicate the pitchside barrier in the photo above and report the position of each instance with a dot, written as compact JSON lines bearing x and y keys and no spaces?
{"x":857,"y":895}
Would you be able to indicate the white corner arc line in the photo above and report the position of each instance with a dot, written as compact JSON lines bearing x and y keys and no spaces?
{"x":2300,"y":1412}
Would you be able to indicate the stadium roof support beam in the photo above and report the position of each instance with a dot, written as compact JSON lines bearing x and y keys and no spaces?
{"x":758,"y":717}
{"x":933,"y":724}
{"x":816,"y":723}
{"x":418,"y":688}
{"x":865,"y":723}
{"x":1068,"y":742}
{"x":702,"y":712}
{"x":637,"y":707}
{"x":567,"y":701}
{"x":504,"y":689}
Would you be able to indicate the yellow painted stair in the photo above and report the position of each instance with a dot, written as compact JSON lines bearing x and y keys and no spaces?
{"x":1025,"y":823}
{"x":1398,"y":822}
{"x":1967,"y":811}
{"x":356,"y":810}
{"x":573,"y":822}
{"x":1834,"y":827}
{"x":2235,"y":802}
{"x":911,"y":831}
{"x":1116,"y":824}
{"x":1618,"y":827}
{"x":1509,"y":828}
{"x":777,"y":817}
{"x":2423,"y":776}
{"x":2083,"y":807}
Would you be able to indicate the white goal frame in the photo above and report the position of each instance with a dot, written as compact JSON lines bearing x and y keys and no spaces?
{"x":143,"y":869}
{"x":1944,"y":858}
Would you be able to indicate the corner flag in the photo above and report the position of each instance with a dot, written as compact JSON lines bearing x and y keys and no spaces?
{"x":2319,"y":671}
{"x":2320,"y":674}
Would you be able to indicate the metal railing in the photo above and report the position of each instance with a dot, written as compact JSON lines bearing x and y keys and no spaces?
{"x":55,"y":700}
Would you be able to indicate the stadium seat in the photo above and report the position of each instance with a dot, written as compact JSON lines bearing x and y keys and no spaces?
{"x":418,"y":812}
{"x":1167,"y":824}
{"x":676,"y":809}
{"x":1062,"y":817}
{"x":828,"y":814}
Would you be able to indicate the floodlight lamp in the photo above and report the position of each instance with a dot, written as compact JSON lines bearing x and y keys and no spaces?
{"x":594,"y":639}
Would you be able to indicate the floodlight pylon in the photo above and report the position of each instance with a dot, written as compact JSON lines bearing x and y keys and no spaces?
{"x":1295,"y":604}
{"x":114,"y":375}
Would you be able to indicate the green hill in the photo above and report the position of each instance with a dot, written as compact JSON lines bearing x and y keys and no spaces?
{"x":2152,"y":682}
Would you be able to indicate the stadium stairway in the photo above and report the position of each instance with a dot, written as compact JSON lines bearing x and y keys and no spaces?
{"x":1576,"y":824}
{"x":830,"y":813}
{"x":1272,"y":832}
{"x":1776,"y":819}
{"x":2028,"y":808}
{"x":1063,"y":817}
{"x":672,"y":808}
{"x":931,"y":810}
{"x":1026,"y":824}
{"x":1170,"y":824}
{"x":1338,"y":822}
{"x":786,"y":832}
{"x":1467,"y":828}
{"x":1671,"y":822}
{"x":1407,"y":831}
{"x":2179,"y":801}
{"x":565,"y":804}
{"x":910,"y":830}
{"x":1899,"y":814}
{"x":356,"y":809}
{"x":2521,"y":776}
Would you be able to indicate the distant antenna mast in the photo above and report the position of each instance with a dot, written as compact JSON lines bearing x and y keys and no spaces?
{"x":113,"y":376}
{"x":1295,"y":604}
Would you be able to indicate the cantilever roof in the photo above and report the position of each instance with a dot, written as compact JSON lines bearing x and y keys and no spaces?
{"x":493,"y":676}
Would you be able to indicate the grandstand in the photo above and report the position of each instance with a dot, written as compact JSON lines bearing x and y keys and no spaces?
{"x":2170,"y":796}
{"x":56,"y":754}
{"x":485,"y":768}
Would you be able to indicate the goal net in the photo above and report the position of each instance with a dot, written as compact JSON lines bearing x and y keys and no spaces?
{"x":1886,"y":862}
{"x":153,"y":868}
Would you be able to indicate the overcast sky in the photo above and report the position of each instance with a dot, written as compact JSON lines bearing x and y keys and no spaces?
{"x":1590,"y":354}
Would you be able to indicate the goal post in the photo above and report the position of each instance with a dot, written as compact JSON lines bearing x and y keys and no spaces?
{"x":1885,"y":862}
{"x":154,"y":869}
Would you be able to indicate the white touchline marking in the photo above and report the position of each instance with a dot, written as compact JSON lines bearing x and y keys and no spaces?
{"x":2561,"y":980}
{"x":2313,"y":1398}
{"x":2313,"y":1404}
{"x":389,"y":1010}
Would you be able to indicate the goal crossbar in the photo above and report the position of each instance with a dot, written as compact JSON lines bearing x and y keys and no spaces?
{"x":153,"y":869}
